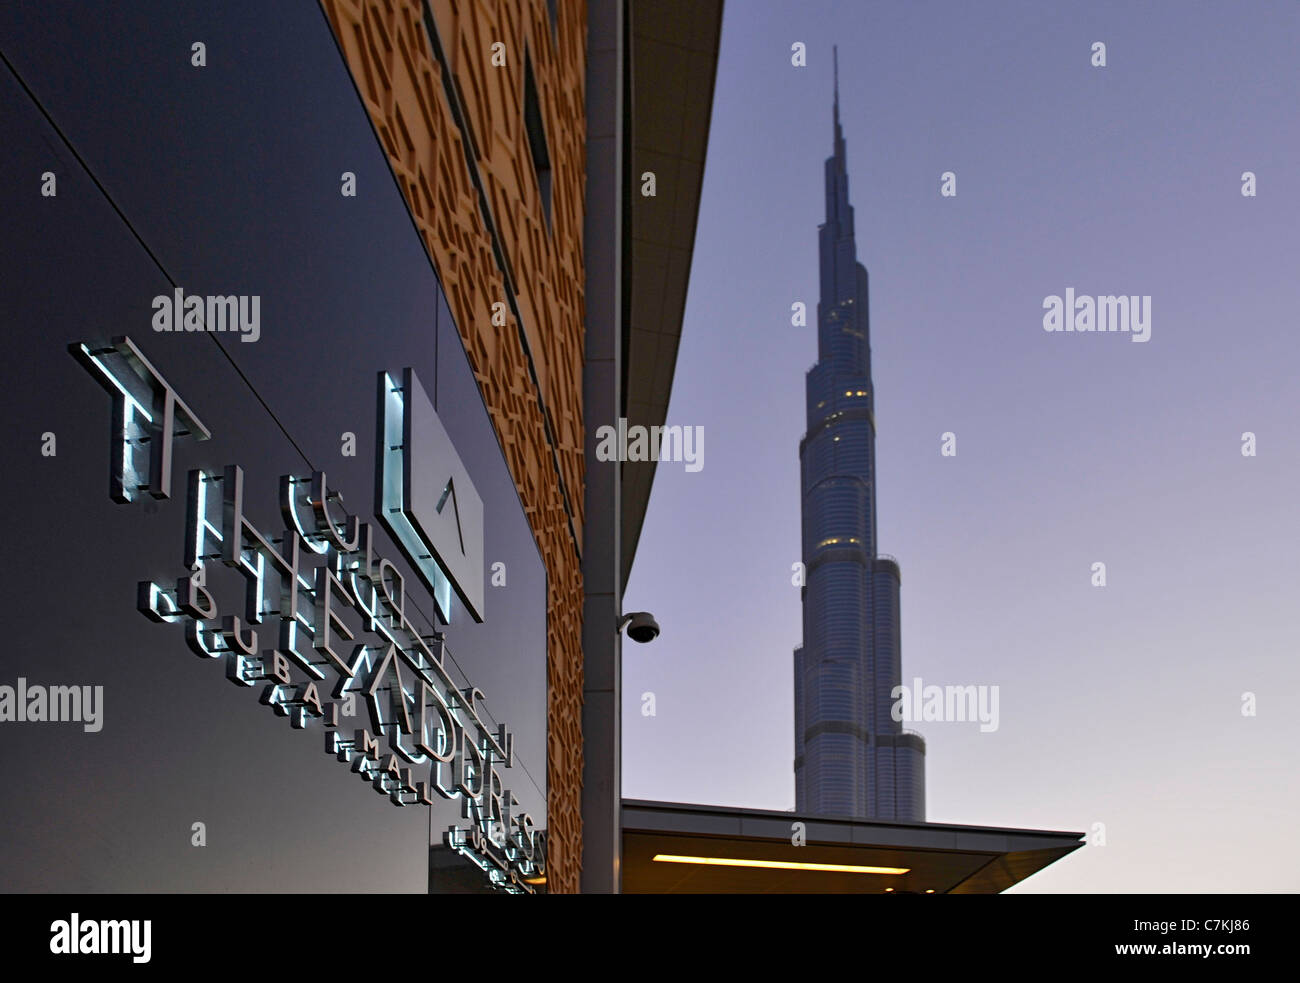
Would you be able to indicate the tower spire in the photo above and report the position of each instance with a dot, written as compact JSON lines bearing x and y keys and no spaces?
{"x":838,"y":135}
{"x":835,"y":61}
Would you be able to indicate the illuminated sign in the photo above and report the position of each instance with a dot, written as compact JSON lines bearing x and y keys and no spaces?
{"x":427,"y":500}
{"x":322,"y":606}
{"x":147,"y":414}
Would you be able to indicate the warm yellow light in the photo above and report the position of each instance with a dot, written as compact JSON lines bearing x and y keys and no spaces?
{"x":929,"y":890}
{"x":889,"y":890}
{"x":666,"y":858}
{"x":535,"y":880}
{"x":832,"y":540}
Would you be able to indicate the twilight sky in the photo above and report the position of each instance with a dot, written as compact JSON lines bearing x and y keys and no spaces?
{"x":1118,"y":705}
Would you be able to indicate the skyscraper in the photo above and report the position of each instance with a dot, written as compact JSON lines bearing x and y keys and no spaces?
{"x":851,"y":757}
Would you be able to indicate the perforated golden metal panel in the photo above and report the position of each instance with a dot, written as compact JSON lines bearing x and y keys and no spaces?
{"x":496,"y":248}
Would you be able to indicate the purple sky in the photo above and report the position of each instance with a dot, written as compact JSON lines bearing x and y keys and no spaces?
{"x":1118,"y":705}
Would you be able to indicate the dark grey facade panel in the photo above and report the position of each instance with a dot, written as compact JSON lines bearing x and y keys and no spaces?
{"x":220,"y":180}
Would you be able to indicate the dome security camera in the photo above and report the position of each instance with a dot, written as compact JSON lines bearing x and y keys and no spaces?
{"x":641,"y":626}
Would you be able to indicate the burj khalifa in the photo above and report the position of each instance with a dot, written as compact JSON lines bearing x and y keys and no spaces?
{"x":852,"y":758}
